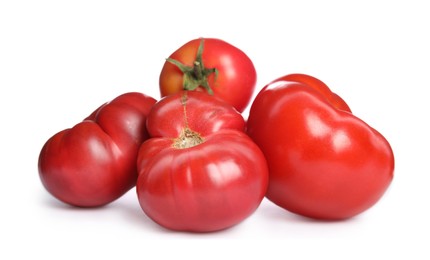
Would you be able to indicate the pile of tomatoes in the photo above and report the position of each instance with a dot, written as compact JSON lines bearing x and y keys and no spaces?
{"x":199,"y":166}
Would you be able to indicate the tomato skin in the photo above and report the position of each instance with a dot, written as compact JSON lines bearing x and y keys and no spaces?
{"x":318,"y":85}
{"x":93,"y":163}
{"x":236,"y":79}
{"x":208,"y":113}
{"x":324,"y":162}
{"x":207,"y":187}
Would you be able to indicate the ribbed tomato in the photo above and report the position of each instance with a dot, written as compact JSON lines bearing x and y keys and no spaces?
{"x":199,"y":172}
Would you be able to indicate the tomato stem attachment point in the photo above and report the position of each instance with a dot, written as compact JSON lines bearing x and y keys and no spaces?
{"x":187,"y":139}
{"x":197,"y":75}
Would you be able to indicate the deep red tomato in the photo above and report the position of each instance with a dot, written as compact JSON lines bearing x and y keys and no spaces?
{"x":94,"y":162}
{"x":212,"y":65}
{"x":323,"y":161}
{"x":200,"y":172}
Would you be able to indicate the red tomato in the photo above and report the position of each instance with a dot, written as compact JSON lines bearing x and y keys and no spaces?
{"x":324,"y":162}
{"x":94,"y":162}
{"x":212,"y":65}
{"x":200,"y":172}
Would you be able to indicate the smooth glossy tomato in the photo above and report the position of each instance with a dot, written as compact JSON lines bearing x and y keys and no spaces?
{"x":94,"y":162}
{"x":199,"y":172}
{"x":210,"y":65}
{"x":324,"y":162}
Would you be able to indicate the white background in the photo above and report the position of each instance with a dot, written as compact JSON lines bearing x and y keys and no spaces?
{"x":59,"y":60}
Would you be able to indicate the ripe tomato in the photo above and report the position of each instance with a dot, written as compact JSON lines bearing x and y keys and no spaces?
{"x":212,"y":65}
{"x":94,"y":162}
{"x":323,"y":161}
{"x":199,"y":172}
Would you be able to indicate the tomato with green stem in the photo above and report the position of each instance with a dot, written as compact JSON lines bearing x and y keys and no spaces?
{"x":210,"y":65}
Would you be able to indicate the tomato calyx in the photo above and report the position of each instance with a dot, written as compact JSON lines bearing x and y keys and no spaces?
{"x":197,"y":75}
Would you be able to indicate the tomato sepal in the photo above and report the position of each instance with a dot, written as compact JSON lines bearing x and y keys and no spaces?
{"x":196,"y":75}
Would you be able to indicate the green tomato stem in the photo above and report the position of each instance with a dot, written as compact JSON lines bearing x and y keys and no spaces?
{"x":197,"y":75}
